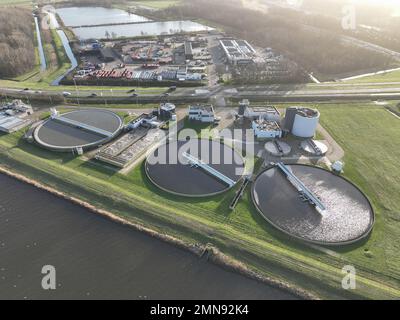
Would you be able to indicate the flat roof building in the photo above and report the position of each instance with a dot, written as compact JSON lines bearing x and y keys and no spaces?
{"x":9,"y":124}
{"x":203,"y":113}
{"x":17,"y":107}
{"x":266,"y":129}
{"x":238,"y":51}
{"x":263,"y":112}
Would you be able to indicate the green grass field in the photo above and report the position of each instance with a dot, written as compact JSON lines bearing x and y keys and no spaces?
{"x":16,"y":3}
{"x":370,"y":137}
{"x":369,"y":134}
{"x":156,"y":4}
{"x":393,"y":76}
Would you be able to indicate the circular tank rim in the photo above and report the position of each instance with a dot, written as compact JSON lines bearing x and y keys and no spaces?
{"x":324,"y":243}
{"x":83,"y":146}
{"x":212,"y":194}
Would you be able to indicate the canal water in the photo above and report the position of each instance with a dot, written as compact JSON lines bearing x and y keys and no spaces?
{"x":43,"y":64}
{"x":70,"y":55}
{"x":96,"y":258}
{"x":68,"y":50}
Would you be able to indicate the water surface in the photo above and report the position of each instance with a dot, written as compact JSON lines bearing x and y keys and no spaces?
{"x":43,"y":64}
{"x":140,"y":29}
{"x":86,"y":16}
{"x":97,"y":258}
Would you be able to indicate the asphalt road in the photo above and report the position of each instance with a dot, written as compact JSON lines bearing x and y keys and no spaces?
{"x":270,"y":93}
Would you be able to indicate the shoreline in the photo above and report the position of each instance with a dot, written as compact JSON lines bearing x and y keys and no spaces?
{"x":212,"y":253}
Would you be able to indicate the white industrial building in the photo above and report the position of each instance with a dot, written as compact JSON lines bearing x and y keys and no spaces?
{"x":301,"y":122}
{"x":238,"y":51}
{"x":257,"y":112}
{"x":143,"y":120}
{"x":12,"y":116}
{"x":167,"y":111}
{"x":266,"y":129}
{"x":264,"y":112}
{"x":203,"y":113}
{"x":11,"y":124}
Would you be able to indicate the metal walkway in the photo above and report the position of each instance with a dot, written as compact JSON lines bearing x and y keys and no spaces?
{"x":305,"y":193}
{"x":313,"y":145}
{"x":239,"y":193}
{"x":83,"y":126}
{"x":199,"y":163}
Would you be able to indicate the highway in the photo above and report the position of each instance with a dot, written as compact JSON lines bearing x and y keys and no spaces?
{"x":323,"y":92}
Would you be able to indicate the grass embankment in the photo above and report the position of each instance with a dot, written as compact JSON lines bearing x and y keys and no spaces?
{"x":56,"y":59}
{"x":391,"y":76}
{"x":371,"y":162}
{"x":155,"y":4}
{"x":371,"y":140}
{"x":24,"y":3}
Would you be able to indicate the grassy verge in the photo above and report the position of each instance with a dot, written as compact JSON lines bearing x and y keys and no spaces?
{"x":24,"y":3}
{"x":393,"y":76}
{"x":155,"y":4}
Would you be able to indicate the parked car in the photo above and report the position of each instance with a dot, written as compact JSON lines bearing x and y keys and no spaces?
{"x":66,"y":94}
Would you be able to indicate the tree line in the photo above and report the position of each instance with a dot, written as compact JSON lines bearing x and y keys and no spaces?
{"x":17,"y":49}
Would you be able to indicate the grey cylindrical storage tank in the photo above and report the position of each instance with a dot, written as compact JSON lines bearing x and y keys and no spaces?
{"x":305,"y":123}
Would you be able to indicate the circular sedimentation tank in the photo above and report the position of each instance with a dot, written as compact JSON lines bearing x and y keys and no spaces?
{"x":307,"y":147}
{"x":277,"y":148}
{"x":348,"y":216}
{"x":170,"y":170}
{"x":78,"y":129}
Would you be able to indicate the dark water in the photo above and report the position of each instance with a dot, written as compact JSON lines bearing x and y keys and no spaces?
{"x":141,"y":29}
{"x":180,"y":177}
{"x":80,"y":16}
{"x":97,"y":258}
{"x":70,"y":55}
{"x":43,"y":64}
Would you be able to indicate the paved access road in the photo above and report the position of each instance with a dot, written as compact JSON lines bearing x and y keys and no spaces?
{"x":299,"y":92}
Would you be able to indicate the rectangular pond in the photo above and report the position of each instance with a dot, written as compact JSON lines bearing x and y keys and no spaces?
{"x":89,"y":16}
{"x":140,"y":29}
{"x":102,"y":23}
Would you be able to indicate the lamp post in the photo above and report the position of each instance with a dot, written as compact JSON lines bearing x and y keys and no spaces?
{"x":76,"y":92}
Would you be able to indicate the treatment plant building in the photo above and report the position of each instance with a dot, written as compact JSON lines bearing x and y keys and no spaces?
{"x":301,"y":122}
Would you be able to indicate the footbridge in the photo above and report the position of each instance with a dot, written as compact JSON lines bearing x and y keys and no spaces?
{"x":215,"y":173}
{"x":305,"y":193}
{"x":83,"y":126}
